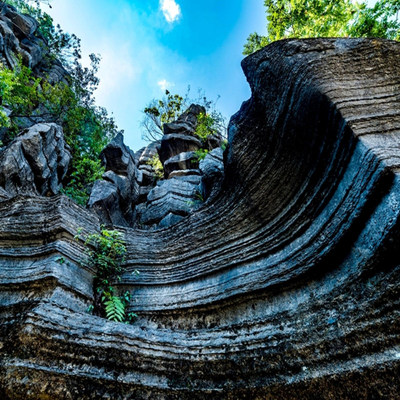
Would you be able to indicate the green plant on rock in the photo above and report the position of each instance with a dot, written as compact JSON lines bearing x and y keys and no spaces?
{"x":200,"y":155}
{"x":206,"y":126}
{"x":106,"y":253}
{"x":327,"y":18}
{"x":224,"y":144}
{"x":159,"y":112}
{"x":171,"y":106}
{"x":158,"y":168}
{"x":69,"y":103}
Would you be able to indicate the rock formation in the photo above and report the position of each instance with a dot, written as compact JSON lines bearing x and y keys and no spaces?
{"x":132,"y":195}
{"x":35,"y":162}
{"x":283,"y":285}
{"x":115,"y":196}
{"x":20,"y":39}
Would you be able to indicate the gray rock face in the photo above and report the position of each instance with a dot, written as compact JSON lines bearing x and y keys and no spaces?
{"x":181,"y":162}
{"x":172,"y":196}
{"x":285,"y":285}
{"x":114,"y":198}
{"x":212,"y":171}
{"x":186,"y":122}
{"x":176,"y":143}
{"x":19,"y":38}
{"x":177,"y":152}
{"x":35,"y":162}
{"x":149,"y":179}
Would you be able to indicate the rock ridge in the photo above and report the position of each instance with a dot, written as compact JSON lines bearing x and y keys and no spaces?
{"x":284,"y":284}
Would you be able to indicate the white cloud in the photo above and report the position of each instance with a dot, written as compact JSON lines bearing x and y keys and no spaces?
{"x":164,"y":84}
{"x":171,"y":10}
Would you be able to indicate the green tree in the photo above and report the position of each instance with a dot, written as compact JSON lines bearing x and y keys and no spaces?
{"x":70,"y":103}
{"x":326,"y":18}
{"x":159,"y":112}
{"x":171,"y":106}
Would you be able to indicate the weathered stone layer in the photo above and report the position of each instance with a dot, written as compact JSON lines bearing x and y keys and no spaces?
{"x":284,"y":285}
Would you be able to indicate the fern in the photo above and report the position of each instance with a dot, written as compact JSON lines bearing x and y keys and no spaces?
{"x":106,"y":253}
{"x":115,"y":308}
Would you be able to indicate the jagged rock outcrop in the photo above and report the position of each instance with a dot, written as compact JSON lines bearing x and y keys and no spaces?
{"x":140,"y":196}
{"x":284,"y":286}
{"x":114,"y":198}
{"x":143,"y":159}
{"x":171,"y":197}
{"x":182,"y":190}
{"x":35,"y":162}
{"x":20,"y":39}
{"x":212,"y":172}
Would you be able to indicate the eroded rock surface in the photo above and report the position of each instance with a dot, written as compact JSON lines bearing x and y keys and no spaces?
{"x":115,"y":196}
{"x":35,"y":162}
{"x":285,"y":285}
{"x":132,"y":192}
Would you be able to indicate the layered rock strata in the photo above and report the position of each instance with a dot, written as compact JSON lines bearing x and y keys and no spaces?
{"x":285,"y":285}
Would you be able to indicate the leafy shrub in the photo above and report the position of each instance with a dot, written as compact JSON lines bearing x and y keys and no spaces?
{"x":106,"y":253}
{"x":160,"y":112}
{"x":158,"y":168}
{"x":170,"y":107}
{"x":200,"y":155}
{"x":327,"y":18}
{"x":206,"y":126}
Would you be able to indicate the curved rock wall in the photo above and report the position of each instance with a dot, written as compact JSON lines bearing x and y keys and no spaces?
{"x":283,"y":286}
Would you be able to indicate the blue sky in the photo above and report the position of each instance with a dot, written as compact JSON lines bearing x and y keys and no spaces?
{"x":147,"y":45}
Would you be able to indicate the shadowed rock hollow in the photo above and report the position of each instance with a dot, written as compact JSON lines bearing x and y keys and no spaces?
{"x":283,"y":285}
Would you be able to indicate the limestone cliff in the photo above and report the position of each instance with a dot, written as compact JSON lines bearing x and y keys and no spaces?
{"x":283,"y":285}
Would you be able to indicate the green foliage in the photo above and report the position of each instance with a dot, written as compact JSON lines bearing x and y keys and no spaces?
{"x":326,"y":18}
{"x":224,"y":144}
{"x":114,"y":307}
{"x":87,"y":128}
{"x":206,"y":126}
{"x":106,"y":253}
{"x":59,"y":44}
{"x":157,"y":166}
{"x":200,"y":155}
{"x":19,"y":92}
{"x":61,"y":260}
{"x":159,"y":112}
{"x":170,"y":107}
{"x":70,"y":103}
{"x":381,"y":20}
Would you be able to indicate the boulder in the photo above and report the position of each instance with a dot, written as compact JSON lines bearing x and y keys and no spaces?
{"x":177,"y":195}
{"x":186,"y":122}
{"x":18,"y":38}
{"x":35,"y":162}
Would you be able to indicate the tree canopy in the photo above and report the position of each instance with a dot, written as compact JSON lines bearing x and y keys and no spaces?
{"x":326,"y":18}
